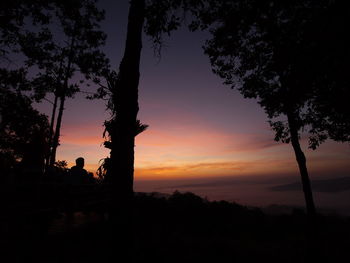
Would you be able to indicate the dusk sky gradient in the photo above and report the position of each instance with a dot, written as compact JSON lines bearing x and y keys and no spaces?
{"x":200,"y":131}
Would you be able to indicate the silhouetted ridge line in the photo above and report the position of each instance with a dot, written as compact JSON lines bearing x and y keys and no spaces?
{"x":326,"y":185}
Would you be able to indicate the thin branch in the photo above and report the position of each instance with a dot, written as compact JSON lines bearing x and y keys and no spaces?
{"x":48,"y":101}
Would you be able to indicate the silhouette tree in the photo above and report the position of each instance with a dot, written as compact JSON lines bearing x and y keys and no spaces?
{"x":62,"y":41}
{"x":124,"y":126}
{"x":268,"y":51}
{"x":125,"y":106}
{"x":328,"y":109}
{"x":79,"y":51}
{"x":156,"y":18}
{"x":23,"y":130}
{"x":14,"y":15}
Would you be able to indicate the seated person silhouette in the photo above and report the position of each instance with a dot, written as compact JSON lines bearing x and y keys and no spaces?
{"x":77,"y":173}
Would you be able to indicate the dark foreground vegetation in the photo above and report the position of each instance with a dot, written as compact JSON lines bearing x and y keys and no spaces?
{"x":179,"y":228}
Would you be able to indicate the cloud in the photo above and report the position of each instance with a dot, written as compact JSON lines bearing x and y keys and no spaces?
{"x":212,"y":169}
{"x":185,"y":168}
{"x":251,"y":142}
{"x":231,"y":166}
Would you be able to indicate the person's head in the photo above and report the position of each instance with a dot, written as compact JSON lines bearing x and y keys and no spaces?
{"x":80,"y":162}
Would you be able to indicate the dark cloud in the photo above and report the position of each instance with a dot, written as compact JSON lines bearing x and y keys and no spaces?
{"x":326,"y":186}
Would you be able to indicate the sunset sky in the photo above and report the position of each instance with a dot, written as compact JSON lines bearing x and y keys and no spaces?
{"x":200,"y":130}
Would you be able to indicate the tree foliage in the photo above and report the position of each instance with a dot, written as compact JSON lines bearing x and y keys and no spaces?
{"x":287,"y":55}
{"x":282,"y":54}
{"x":46,"y":46}
{"x":23,"y":130}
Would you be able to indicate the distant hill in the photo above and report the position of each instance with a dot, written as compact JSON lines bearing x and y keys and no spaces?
{"x":333,"y":185}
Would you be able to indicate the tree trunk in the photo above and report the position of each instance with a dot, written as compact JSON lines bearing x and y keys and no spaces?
{"x":56,"y":138}
{"x":125,"y":100}
{"x":53,"y":116}
{"x":52,"y":124}
{"x":300,"y":157}
{"x":120,"y":175}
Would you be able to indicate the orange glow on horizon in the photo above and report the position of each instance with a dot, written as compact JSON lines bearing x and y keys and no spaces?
{"x":192,"y":151}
